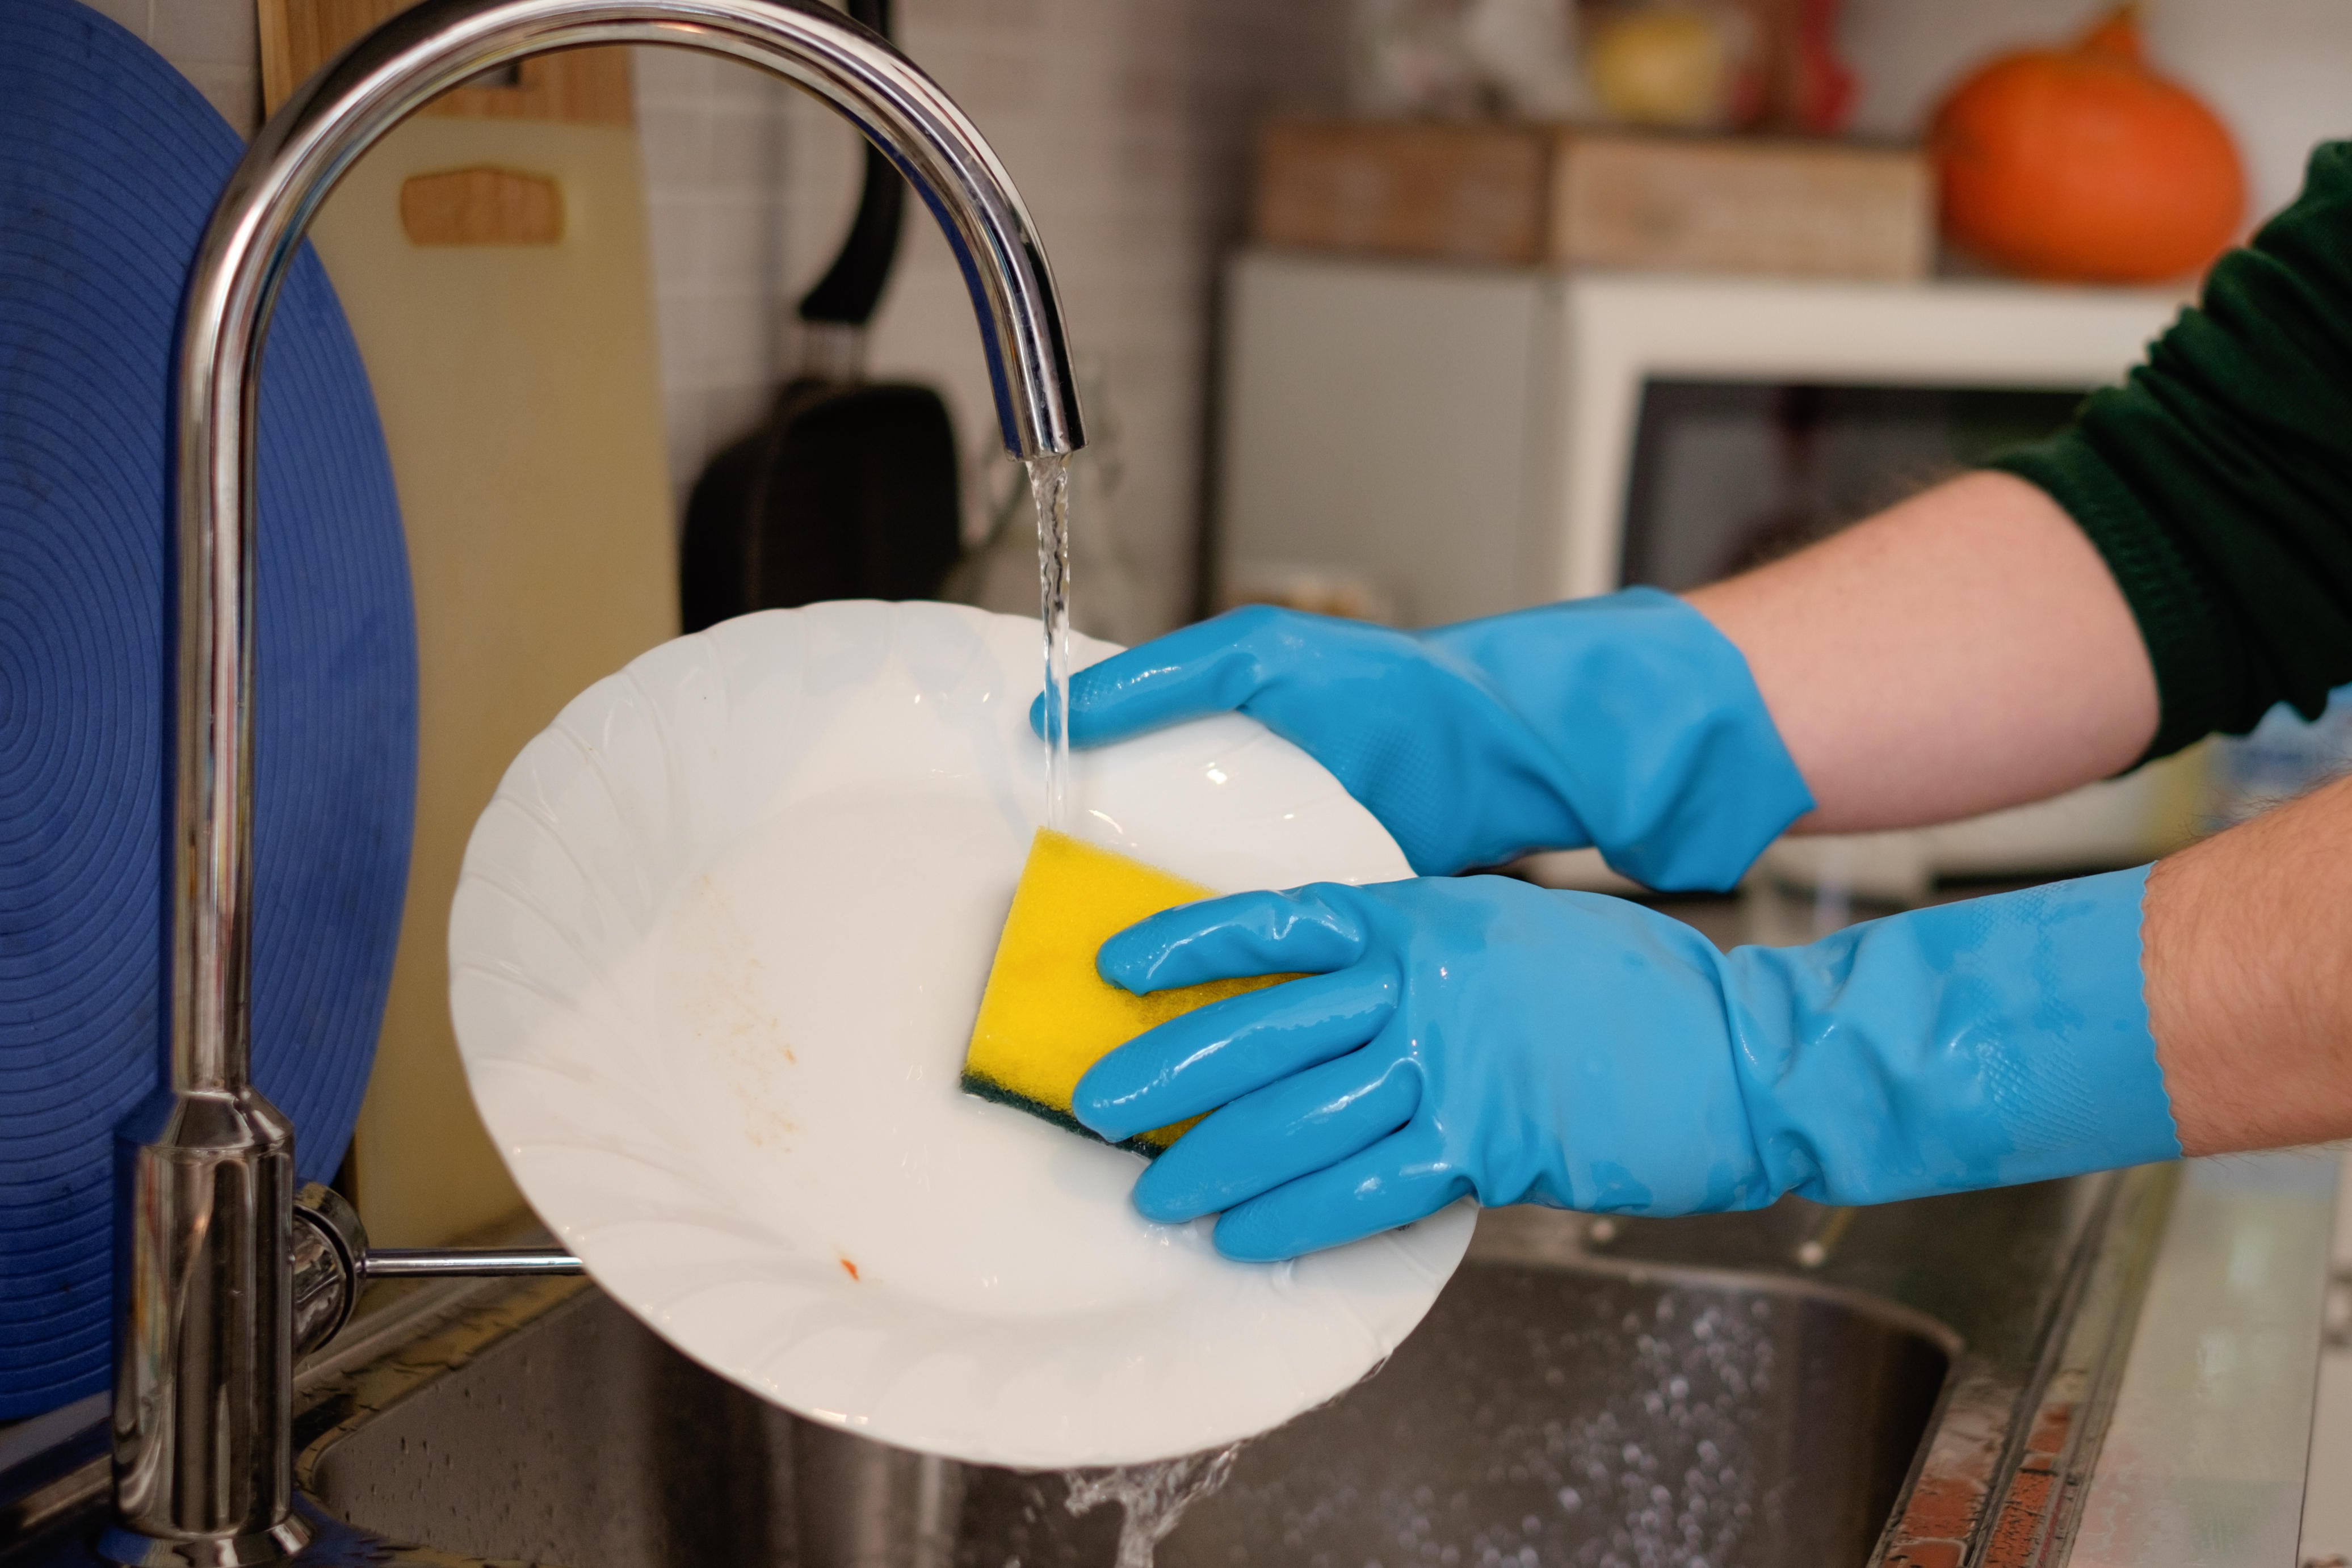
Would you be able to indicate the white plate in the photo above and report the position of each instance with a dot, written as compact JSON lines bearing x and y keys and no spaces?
{"x":714,"y":958}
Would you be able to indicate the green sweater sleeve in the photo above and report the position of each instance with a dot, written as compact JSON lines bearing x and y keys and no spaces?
{"x":2217,"y":481}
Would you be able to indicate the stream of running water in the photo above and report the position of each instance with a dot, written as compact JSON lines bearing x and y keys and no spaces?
{"x":1049,"y":485}
{"x":1153,"y":1497}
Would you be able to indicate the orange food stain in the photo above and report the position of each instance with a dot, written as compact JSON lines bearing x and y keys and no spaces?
{"x":849,"y":1267}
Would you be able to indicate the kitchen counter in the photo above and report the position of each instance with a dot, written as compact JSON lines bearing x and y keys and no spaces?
{"x":2204,"y":1461}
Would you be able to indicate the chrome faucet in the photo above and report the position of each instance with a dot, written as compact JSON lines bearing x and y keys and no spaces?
{"x":207,"y":1221}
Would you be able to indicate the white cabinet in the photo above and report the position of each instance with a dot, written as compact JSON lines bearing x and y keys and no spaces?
{"x":1463,"y":436}
{"x":1383,"y":421}
{"x":1461,"y":439}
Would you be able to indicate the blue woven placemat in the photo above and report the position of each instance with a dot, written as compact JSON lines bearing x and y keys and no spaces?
{"x":110,"y":163}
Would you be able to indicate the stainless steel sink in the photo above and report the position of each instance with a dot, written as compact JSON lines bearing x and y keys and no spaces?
{"x":543,"y":1422}
{"x":1802,"y":1385}
{"x":1556,"y":1415}
{"x":1743,"y":1390}
{"x":1569,"y":1408}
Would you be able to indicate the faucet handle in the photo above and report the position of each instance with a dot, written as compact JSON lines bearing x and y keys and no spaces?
{"x":330,"y":1247}
{"x":332,"y":1260}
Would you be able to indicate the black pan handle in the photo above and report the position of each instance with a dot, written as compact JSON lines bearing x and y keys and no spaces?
{"x":850,"y":288}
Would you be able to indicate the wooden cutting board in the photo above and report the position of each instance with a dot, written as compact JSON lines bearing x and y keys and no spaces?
{"x":491,"y":256}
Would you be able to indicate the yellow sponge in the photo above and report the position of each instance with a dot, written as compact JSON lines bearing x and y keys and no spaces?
{"x":1047,"y":1016}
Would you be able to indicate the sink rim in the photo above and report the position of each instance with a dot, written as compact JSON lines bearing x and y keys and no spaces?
{"x":1976,"y":1447}
{"x":2019,"y":1472}
{"x":454,"y":1321}
{"x":1501,"y":1248}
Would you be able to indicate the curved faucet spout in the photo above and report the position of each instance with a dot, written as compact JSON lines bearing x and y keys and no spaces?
{"x":202,"y":1357}
{"x":285,"y":177}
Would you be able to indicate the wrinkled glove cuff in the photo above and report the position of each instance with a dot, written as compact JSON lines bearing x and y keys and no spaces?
{"x":1652,"y":733}
{"x":1975,"y":1044}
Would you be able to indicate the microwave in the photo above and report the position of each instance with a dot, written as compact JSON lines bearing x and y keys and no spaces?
{"x":1424,"y":443}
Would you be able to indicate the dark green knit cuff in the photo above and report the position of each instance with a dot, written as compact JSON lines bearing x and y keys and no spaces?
{"x":2178,"y":619}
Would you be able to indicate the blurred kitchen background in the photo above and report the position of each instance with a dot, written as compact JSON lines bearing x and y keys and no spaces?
{"x":1408,"y":310}
{"x":1131,"y":127}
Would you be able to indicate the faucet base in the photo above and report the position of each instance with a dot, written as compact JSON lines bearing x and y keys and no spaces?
{"x":203,"y":1347}
{"x":284,"y":1540}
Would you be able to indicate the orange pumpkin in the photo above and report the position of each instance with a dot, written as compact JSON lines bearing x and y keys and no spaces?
{"x":2082,"y":165}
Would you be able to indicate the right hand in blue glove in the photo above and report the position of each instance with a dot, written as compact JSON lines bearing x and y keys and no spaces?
{"x":1626,"y":723}
{"x":1484,"y":1036}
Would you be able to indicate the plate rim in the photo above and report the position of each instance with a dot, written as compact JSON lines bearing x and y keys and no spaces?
{"x":1428,"y":1251}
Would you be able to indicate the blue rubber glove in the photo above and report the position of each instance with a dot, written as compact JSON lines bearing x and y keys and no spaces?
{"x":1626,"y":723}
{"x":1482,"y":1036}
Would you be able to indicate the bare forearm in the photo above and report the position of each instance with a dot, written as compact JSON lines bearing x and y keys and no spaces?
{"x":2246,"y":944}
{"x":1967,"y":651}
{"x":1962,"y":652}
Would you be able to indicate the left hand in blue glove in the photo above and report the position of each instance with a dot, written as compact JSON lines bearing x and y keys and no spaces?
{"x":1626,"y":723}
{"x":1481,"y":1036}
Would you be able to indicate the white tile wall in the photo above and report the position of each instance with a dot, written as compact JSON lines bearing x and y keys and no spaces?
{"x":1127,"y":126}
{"x":713,"y":136}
